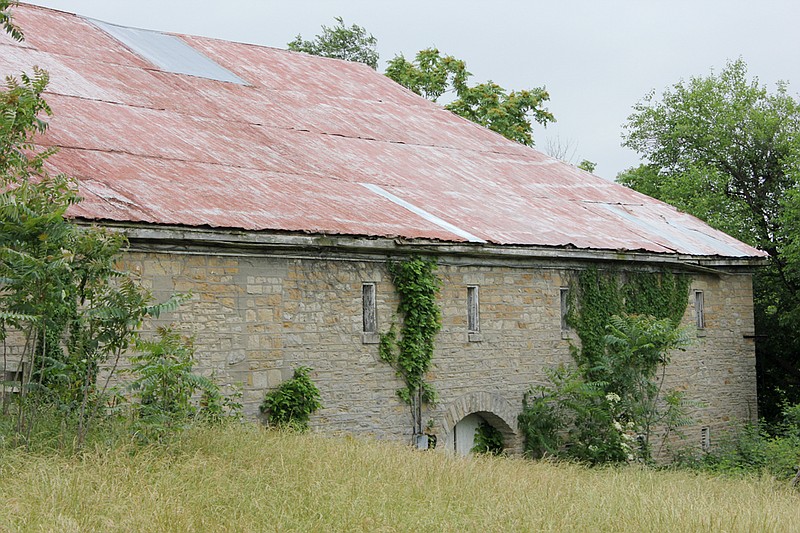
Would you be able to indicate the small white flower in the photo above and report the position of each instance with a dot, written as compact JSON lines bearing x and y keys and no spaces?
{"x":612,"y":397}
{"x":617,"y":426}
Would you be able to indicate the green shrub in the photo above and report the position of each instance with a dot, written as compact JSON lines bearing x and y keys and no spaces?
{"x":754,"y":448}
{"x":293,"y":402}
{"x":488,"y":440}
{"x":165,"y":388}
{"x":605,"y":410}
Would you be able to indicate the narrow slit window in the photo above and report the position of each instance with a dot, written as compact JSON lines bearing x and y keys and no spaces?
{"x":699,"y":310}
{"x":705,"y":439}
{"x":564,"y":308}
{"x":369,"y":307}
{"x":473,"y":313}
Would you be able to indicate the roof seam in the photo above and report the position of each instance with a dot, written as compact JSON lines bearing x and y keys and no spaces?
{"x":260,"y":169}
{"x":278,"y":128}
{"x":179,"y":160}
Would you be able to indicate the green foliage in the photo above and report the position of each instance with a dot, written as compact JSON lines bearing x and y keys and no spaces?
{"x":411,"y":355}
{"x":606,"y":408}
{"x":574,"y":418}
{"x":754,"y":448}
{"x":21,"y":110}
{"x":61,"y":290}
{"x":637,"y":346}
{"x":165,"y":387}
{"x":663,"y":295}
{"x":488,"y":440}
{"x":540,"y":422}
{"x":293,"y":402}
{"x":430,"y":75}
{"x":731,"y":130}
{"x":587,"y":165}
{"x":7,"y":20}
{"x":216,"y":407}
{"x":725,"y":149}
{"x":341,"y":42}
{"x":595,"y":296}
{"x":510,"y":114}
{"x":546,"y":410}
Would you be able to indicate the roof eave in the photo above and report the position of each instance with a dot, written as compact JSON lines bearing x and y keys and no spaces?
{"x":184,"y":239}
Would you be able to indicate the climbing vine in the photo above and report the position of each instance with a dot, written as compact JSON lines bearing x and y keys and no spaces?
{"x":411,"y":353}
{"x":596,"y":296}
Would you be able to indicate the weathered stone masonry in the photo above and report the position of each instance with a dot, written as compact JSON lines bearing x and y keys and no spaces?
{"x":256,"y":314}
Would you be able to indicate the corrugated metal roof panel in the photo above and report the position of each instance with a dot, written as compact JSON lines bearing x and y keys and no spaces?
{"x":66,"y":35}
{"x":168,"y":52}
{"x":289,"y":152}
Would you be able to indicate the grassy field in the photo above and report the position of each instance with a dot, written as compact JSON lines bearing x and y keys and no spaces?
{"x":248,"y":479}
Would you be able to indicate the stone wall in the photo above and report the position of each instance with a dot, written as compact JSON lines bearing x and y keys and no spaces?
{"x":256,"y":318}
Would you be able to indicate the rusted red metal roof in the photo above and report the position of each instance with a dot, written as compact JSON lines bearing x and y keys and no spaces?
{"x":314,"y":145}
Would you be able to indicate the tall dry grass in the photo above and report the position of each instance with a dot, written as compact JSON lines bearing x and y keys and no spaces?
{"x":248,"y":479}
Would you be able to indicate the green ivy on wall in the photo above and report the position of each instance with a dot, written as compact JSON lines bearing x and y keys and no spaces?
{"x":411,"y":353}
{"x":596,"y":296}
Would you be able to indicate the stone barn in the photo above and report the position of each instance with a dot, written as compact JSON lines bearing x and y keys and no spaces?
{"x":276,"y":187}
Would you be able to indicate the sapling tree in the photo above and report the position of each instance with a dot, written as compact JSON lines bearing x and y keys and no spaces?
{"x":607,"y":410}
{"x":62,"y":297}
{"x":638,"y":349}
{"x":607,"y":406}
{"x":165,"y":387}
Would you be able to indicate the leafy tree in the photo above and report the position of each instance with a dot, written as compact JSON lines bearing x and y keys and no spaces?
{"x":341,"y":42}
{"x":725,"y":149}
{"x":508,"y":113}
{"x":637,"y":347}
{"x":587,"y":165}
{"x":432,"y":74}
{"x":606,"y":410}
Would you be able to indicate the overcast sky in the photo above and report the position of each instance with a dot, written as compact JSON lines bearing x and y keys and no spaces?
{"x":596,"y":58}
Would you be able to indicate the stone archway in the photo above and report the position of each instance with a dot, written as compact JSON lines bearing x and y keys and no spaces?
{"x":492,"y":408}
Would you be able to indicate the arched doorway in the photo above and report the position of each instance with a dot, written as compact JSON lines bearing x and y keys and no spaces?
{"x":466,"y":431}
{"x":465,"y":415}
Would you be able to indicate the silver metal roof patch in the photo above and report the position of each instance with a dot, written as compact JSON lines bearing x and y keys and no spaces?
{"x":675,"y":240}
{"x":424,"y":214}
{"x":168,"y":52}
